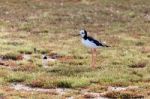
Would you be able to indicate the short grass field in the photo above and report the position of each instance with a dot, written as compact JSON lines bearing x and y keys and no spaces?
{"x":37,"y":27}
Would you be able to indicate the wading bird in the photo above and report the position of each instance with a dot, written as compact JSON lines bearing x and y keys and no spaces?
{"x":91,"y":43}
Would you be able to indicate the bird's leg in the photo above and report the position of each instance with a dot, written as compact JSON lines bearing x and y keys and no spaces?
{"x":94,"y":57}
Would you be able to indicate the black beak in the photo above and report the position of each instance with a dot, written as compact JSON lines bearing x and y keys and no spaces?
{"x":76,"y":35}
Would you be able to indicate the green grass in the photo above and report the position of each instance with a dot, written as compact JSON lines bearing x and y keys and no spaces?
{"x":50,"y":26}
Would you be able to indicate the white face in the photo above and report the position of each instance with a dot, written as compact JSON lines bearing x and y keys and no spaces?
{"x":82,"y":33}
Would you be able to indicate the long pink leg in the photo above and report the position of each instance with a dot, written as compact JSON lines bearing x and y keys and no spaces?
{"x":94,"y":58}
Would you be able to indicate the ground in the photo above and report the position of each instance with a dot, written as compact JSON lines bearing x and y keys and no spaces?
{"x":38,"y":27}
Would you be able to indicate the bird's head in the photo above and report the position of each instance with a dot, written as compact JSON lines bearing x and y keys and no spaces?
{"x":83,"y":33}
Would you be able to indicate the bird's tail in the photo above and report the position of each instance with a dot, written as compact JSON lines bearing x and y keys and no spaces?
{"x":106,"y":46}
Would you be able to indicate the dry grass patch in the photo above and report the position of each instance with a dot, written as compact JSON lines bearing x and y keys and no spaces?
{"x":126,"y":94}
{"x":138,"y":65}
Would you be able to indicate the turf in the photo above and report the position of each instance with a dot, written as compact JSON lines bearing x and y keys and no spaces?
{"x":50,"y":26}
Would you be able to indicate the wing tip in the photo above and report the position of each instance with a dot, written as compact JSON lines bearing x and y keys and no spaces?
{"x":106,"y":46}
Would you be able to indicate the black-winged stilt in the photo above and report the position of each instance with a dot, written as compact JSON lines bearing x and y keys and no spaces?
{"x":91,"y":43}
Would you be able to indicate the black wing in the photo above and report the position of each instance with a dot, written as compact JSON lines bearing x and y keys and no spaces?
{"x":96,"y":42}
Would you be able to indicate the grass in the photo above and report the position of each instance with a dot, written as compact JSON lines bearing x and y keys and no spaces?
{"x":48,"y":27}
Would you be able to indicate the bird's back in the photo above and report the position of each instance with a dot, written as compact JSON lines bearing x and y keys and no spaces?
{"x":92,"y":43}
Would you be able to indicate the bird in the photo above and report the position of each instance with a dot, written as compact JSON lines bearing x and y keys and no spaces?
{"x":92,"y":43}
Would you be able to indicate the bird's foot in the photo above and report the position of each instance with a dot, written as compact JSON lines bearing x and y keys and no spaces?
{"x":93,"y":66}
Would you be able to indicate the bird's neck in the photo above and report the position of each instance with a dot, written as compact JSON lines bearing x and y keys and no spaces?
{"x":85,"y":37}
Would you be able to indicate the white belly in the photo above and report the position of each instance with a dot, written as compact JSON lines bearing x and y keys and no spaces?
{"x":89,"y":44}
